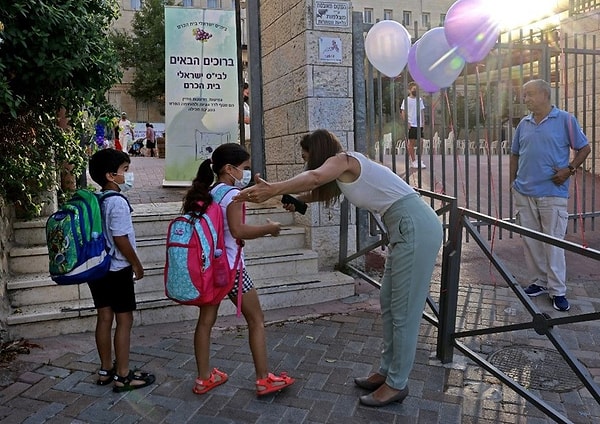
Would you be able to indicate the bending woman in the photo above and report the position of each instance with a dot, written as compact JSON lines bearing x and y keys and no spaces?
{"x":415,"y":237}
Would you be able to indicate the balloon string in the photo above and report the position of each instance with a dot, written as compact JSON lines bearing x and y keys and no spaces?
{"x":577,"y":190}
{"x":455,"y":144}
{"x":576,"y":187}
{"x":492,"y":179}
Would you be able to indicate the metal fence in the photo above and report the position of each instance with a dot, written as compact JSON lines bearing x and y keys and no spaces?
{"x":468,"y":127}
{"x":444,"y":308}
{"x":465,"y":147}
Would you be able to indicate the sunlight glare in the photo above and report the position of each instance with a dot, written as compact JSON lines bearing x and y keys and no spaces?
{"x":511,"y":14}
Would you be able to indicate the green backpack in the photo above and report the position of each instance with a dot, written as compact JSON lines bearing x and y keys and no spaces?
{"x":76,"y":245}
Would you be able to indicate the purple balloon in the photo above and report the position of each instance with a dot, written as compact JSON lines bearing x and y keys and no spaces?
{"x":436,"y":60}
{"x":415,"y":72}
{"x":471,"y":29}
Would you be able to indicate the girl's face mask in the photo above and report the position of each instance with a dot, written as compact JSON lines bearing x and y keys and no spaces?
{"x":246,"y":177}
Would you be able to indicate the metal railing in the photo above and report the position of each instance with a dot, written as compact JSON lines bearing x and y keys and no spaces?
{"x":444,"y":313}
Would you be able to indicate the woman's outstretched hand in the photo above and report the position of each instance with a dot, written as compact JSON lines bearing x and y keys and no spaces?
{"x":258,"y":193}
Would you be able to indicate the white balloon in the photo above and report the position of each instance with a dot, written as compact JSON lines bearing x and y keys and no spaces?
{"x":387,"y":45}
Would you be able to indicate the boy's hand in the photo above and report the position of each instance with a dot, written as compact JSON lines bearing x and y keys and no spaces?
{"x":138,"y":272}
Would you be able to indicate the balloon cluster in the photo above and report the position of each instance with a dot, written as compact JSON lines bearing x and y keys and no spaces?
{"x":439,"y":56}
{"x":100,"y":134}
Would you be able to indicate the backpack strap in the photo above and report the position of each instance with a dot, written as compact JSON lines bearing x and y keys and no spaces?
{"x":218,"y":193}
{"x":111,"y":193}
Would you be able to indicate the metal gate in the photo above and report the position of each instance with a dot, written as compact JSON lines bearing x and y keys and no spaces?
{"x":468,"y":127}
{"x":465,"y":147}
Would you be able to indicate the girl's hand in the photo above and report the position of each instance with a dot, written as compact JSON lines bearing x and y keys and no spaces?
{"x":275,"y":227}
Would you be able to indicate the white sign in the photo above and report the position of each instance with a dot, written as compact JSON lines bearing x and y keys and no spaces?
{"x":332,"y":13}
{"x":201,"y":88}
{"x":139,"y":129}
{"x":330,"y":49}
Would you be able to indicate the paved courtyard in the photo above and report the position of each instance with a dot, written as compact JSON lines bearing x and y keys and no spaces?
{"x":324,"y":346}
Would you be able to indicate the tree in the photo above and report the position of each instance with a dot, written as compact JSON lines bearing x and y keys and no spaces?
{"x":145,"y":51}
{"x":53,"y":56}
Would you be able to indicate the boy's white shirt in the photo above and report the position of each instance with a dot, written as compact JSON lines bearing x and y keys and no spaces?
{"x":116,"y":221}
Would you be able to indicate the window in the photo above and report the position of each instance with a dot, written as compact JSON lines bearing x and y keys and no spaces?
{"x":426,"y":20}
{"x":406,"y":18}
{"x":368,"y":16}
{"x":388,"y":14}
{"x":213,"y":4}
{"x":188,"y":3}
{"x":136,"y":4}
{"x":442,"y":19}
{"x":142,"y":113}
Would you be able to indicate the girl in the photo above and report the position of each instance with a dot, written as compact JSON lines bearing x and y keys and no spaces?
{"x":230,"y":163}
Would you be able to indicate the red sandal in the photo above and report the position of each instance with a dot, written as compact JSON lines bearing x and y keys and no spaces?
{"x":216,"y":379}
{"x":273,"y":383}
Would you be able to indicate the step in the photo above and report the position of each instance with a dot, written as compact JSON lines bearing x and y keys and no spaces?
{"x":38,"y":289}
{"x":79,"y":316}
{"x":151,"y":249}
{"x":150,"y":220}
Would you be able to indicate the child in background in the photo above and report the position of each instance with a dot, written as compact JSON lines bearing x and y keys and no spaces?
{"x":114,"y":295}
{"x":231,"y":165}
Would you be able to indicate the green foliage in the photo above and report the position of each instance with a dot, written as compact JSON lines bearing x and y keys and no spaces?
{"x":31,"y":147}
{"x":53,"y":54}
{"x":145,"y":51}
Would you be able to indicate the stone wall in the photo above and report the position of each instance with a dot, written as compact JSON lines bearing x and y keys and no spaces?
{"x":302,"y":93}
{"x":6,"y":218}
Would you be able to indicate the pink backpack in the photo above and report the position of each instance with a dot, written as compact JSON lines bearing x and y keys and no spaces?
{"x":197,"y":270}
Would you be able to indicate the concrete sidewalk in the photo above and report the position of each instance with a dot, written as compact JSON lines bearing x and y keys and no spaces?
{"x":324,"y":346}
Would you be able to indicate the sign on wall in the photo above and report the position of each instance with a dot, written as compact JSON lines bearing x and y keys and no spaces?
{"x":201,"y":88}
{"x":330,"y":49}
{"x":332,"y":13}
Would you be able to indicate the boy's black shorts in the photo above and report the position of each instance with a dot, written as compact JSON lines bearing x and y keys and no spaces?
{"x":116,"y":290}
{"x":412,"y":133}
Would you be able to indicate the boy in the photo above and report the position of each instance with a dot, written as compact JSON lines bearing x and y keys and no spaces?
{"x":114,"y":295}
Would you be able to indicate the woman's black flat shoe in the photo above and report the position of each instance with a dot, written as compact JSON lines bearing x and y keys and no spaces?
{"x":364,"y":383}
{"x":369,"y":400}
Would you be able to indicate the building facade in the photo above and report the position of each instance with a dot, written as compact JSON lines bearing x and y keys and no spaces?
{"x":416,"y":15}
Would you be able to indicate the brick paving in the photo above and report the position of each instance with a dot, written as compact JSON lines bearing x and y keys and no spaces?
{"x":324,"y":346}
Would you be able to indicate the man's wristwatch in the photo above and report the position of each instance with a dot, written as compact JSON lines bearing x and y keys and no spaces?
{"x":572,"y":170}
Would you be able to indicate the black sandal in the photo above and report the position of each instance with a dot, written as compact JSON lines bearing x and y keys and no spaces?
{"x":148,"y":379}
{"x":108,"y":374}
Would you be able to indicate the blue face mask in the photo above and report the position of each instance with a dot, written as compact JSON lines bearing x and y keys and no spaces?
{"x":246,"y":177}
{"x":128,"y":181}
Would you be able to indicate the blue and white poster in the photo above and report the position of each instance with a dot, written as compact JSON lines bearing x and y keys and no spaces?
{"x":201,"y":88}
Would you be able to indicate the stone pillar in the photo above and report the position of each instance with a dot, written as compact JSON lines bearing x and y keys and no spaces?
{"x":304,"y":91}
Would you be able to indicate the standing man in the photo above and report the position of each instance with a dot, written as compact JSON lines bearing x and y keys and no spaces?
{"x":415,"y":123}
{"x":126,"y":132}
{"x":539,"y":178}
